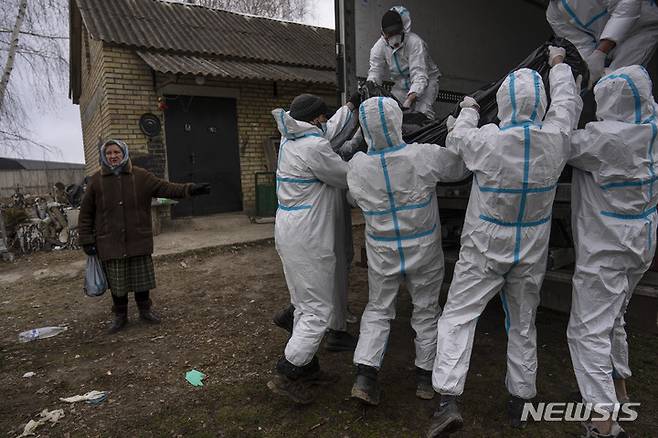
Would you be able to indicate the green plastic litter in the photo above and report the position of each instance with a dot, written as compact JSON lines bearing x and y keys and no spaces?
{"x":195,"y":377}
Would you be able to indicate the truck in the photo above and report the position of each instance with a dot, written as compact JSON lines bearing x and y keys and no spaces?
{"x":475,"y":43}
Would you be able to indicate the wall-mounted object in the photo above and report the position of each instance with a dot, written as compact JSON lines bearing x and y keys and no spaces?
{"x":150,"y":124}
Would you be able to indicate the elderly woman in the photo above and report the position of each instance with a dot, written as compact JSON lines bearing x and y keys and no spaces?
{"x":115,"y":223}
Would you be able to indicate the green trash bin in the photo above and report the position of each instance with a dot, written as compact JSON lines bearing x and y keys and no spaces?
{"x":266,"y":201}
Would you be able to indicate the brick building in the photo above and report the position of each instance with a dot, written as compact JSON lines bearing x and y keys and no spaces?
{"x":209,"y":77}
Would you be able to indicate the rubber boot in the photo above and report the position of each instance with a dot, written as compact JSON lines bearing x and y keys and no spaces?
{"x":446,"y":419}
{"x":314,"y":375}
{"x":289,"y":382}
{"x":285,"y":318}
{"x":515,"y":411}
{"x":366,"y":387}
{"x":146,"y":312}
{"x":340,"y":341}
{"x":424,"y":389}
{"x":120,"y":318}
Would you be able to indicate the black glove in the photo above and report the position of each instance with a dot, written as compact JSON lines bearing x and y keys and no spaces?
{"x":355,"y":100}
{"x":200,"y":189}
{"x":89,"y":249}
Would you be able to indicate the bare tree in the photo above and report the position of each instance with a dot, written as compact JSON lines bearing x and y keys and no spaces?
{"x":293,"y":10}
{"x":34,"y":62}
{"x":34,"y":56}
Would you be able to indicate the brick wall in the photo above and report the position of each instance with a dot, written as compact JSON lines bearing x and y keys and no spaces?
{"x":118,"y":87}
{"x":255,"y":122}
{"x":93,"y":105}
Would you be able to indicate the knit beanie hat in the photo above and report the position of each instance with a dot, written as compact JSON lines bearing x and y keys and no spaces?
{"x":306,"y":107}
{"x":392,"y":23}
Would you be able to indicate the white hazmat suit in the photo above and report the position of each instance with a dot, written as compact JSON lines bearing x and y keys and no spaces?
{"x":395,"y":186}
{"x":409,"y":66}
{"x":309,"y":178}
{"x":631,"y":24}
{"x":614,"y":196}
{"x":504,"y":242}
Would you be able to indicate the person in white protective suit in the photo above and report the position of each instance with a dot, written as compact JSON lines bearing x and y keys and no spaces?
{"x":614,"y":196}
{"x":615,"y":32}
{"x":402,"y":56}
{"x":339,"y":129}
{"x":504,"y":242}
{"x":395,"y":186}
{"x":309,"y":178}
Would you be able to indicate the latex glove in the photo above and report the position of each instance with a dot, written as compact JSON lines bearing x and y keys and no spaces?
{"x":200,"y":189}
{"x":556,"y":55}
{"x":355,"y":100}
{"x":89,"y":249}
{"x":450,"y":123}
{"x":409,"y":101}
{"x":469,"y":102}
{"x":347,"y":149}
{"x":596,"y":65}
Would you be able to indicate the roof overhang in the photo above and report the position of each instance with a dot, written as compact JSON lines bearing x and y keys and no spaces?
{"x":234,"y":69}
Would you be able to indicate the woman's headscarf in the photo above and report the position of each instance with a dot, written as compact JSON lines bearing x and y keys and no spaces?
{"x":103,"y":159}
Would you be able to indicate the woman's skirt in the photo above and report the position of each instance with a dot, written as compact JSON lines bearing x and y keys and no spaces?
{"x":130,"y":274}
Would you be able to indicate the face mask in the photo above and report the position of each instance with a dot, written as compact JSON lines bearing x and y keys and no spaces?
{"x":394,"y":41}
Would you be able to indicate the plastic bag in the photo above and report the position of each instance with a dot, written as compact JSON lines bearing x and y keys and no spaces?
{"x":95,"y":281}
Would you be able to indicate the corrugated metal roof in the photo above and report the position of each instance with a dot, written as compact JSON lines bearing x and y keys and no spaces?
{"x":185,"y":64}
{"x":184,"y":28}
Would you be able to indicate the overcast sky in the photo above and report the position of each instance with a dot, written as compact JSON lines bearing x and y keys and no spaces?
{"x":60,"y":127}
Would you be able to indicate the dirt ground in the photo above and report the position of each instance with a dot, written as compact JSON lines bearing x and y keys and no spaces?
{"x":216,"y":307}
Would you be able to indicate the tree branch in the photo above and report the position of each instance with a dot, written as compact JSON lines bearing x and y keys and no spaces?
{"x":18,"y":137}
{"x":38,"y":35}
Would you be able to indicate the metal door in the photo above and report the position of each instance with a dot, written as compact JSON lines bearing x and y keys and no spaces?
{"x":202,"y":146}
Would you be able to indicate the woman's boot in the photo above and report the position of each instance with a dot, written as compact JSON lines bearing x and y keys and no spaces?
{"x":144,"y":304}
{"x":120,"y":320}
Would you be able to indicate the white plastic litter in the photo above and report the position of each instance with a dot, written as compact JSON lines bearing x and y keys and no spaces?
{"x":44,"y":417}
{"x":40,"y":333}
{"x":29,"y":374}
{"x":90,"y":397}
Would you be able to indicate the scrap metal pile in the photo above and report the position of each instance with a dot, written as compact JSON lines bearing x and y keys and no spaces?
{"x":43,"y":222}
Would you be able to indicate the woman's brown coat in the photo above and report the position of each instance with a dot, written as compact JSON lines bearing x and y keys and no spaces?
{"x":116,"y":210}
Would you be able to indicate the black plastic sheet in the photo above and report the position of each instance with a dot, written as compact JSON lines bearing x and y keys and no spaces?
{"x":435,"y":132}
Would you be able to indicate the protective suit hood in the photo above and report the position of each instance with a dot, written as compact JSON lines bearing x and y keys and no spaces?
{"x":521,"y":98}
{"x":381,"y":120}
{"x":291,"y":128}
{"x":625,"y":95}
{"x":405,"y":15}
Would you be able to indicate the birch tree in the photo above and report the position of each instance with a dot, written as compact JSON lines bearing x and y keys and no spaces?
{"x":34,"y":65}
